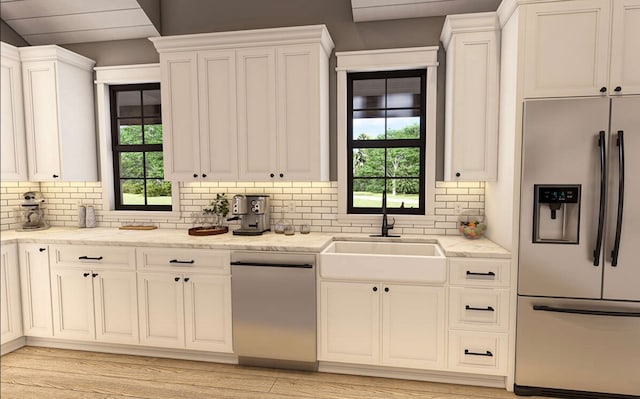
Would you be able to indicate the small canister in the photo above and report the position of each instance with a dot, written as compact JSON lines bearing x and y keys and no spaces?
{"x":91,"y":216}
{"x":82,"y":215}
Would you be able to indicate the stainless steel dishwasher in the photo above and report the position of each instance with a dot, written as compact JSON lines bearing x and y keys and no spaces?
{"x":274,"y":309}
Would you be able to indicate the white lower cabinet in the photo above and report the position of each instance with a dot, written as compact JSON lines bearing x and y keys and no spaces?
{"x":160,"y":300}
{"x":35,"y":289}
{"x":382,"y":324}
{"x":10,"y":311}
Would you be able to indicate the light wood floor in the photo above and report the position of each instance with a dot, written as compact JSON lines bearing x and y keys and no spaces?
{"x":41,"y":373}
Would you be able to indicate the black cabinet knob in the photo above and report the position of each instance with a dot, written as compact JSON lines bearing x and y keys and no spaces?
{"x":204,"y":175}
{"x":42,"y":249}
{"x":86,"y":274}
{"x":94,"y":275}
{"x":55,"y":176}
{"x":603,"y":89}
{"x":457,"y":174}
{"x":176,"y":279}
{"x":375,"y":289}
{"x":386,"y":289}
{"x":281,"y":174}
{"x":186,"y":279}
{"x":195,"y":175}
{"x":272,"y":175}
{"x":618,"y":89}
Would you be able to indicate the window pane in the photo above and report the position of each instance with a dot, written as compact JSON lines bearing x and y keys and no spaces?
{"x":368,"y":93}
{"x":403,"y":193}
{"x":130,"y":131}
{"x":368,"y":162}
{"x":403,"y":162}
{"x":158,"y":192}
{"x":152,"y":131}
{"x":368,"y":128}
{"x":403,"y":128}
{"x":367,"y":193}
{"x":132,"y":192}
{"x":403,"y":92}
{"x":151,"y":101}
{"x":154,"y":165}
{"x":131,"y":165}
{"x":128,"y":103}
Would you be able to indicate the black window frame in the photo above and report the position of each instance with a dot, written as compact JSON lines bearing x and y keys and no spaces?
{"x":385,"y":144}
{"x":117,"y":148}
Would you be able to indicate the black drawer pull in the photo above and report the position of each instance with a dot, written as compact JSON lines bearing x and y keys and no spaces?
{"x":487,"y":309}
{"x":487,"y":353}
{"x":189,"y":262}
{"x":470,"y":273}
{"x":89,"y":258}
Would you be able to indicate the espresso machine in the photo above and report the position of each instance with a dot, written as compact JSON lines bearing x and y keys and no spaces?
{"x":253,"y":211}
{"x":31,"y":212}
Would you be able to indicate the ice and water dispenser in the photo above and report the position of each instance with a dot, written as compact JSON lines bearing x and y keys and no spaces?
{"x":556,"y":214}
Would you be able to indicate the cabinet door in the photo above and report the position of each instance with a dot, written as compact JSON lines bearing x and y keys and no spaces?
{"x":566,"y":49}
{"x":413,"y":326}
{"x":10,"y":312}
{"x":207,"y":306}
{"x":116,"y":306}
{"x":218,"y":117}
{"x":35,"y":290}
{"x":257,"y":114}
{"x":471,"y":142}
{"x":72,"y":297}
{"x":298,"y":91}
{"x":14,"y":152}
{"x":41,"y":120}
{"x":180,"y":141}
{"x":160,"y":301}
{"x":350,"y":322}
{"x":625,"y":47}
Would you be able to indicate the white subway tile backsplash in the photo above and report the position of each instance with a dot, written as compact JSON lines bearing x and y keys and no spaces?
{"x":316,"y":204}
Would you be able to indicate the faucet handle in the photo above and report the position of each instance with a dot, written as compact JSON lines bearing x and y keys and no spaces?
{"x":390,"y":225}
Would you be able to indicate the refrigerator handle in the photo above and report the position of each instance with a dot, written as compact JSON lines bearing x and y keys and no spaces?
{"x":591,"y":312}
{"x":616,"y":244}
{"x":603,"y":188}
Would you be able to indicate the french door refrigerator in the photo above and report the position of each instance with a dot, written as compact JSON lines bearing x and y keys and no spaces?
{"x":578,"y":321}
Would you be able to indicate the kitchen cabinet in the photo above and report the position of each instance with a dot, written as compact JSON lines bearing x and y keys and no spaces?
{"x":472,"y":44}
{"x":252,"y":105}
{"x":581,"y":48}
{"x":35,"y":290}
{"x":185,"y":299}
{"x":94,"y":293}
{"x":59,"y":114}
{"x":479,"y":309}
{"x":382,"y":324}
{"x":10,"y":307}
{"x":13,"y":146}
{"x":199,"y":115}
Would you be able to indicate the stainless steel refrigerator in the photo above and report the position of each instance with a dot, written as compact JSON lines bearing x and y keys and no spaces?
{"x":578,"y":321}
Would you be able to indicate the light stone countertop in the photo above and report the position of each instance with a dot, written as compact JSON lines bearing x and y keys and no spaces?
{"x":453,"y":246}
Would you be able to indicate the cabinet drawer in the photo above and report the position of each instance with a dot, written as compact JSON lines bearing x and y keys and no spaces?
{"x":477,"y":352}
{"x":480,"y":272}
{"x":204,"y":260}
{"x":93,"y":256}
{"x":479,"y":308}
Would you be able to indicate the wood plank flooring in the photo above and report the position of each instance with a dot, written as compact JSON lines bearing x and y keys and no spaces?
{"x":38,"y":373}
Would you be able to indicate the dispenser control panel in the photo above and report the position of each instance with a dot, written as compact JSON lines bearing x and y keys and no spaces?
{"x":559,"y":194}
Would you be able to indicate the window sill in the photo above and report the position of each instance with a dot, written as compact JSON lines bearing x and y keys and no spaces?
{"x":401,"y":220}
{"x":141,"y":215}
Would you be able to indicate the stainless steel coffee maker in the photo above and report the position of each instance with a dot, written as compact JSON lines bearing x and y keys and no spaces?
{"x":254,"y":213}
{"x":31,"y":212}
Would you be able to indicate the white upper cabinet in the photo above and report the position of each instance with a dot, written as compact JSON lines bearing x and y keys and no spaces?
{"x":248,"y":105}
{"x":59,"y":114}
{"x":581,"y":48}
{"x":472,"y":44}
{"x":14,"y":153}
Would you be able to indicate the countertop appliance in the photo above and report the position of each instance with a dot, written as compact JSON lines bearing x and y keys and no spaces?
{"x":578,"y":321}
{"x":274,"y":309}
{"x":254,"y":213}
{"x":31,"y":213}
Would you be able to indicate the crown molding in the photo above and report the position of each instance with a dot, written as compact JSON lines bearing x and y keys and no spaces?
{"x":9,"y":51}
{"x":468,"y":23}
{"x":55,"y":53}
{"x":387,"y":59}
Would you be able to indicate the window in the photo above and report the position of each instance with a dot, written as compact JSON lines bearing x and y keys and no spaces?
{"x":136,"y":145}
{"x":386,"y":141}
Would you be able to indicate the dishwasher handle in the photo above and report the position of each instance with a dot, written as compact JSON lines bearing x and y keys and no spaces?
{"x":263,"y":264}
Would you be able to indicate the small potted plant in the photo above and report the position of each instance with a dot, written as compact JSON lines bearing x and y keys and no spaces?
{"x":220,"y":208}
{"x":214,"y":217}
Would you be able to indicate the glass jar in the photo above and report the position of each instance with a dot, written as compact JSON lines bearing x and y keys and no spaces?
{"x":289,"y":230}
{"x":305,"y":229}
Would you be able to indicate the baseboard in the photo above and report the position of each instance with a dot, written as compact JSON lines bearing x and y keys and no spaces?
{"x":411,"y":374}
{"x":137,"y":350}
{"x":11,"y":346}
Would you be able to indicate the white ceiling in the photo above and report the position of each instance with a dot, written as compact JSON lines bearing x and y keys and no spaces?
{"x":76,"y":21}
{"x":375,"y":10}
